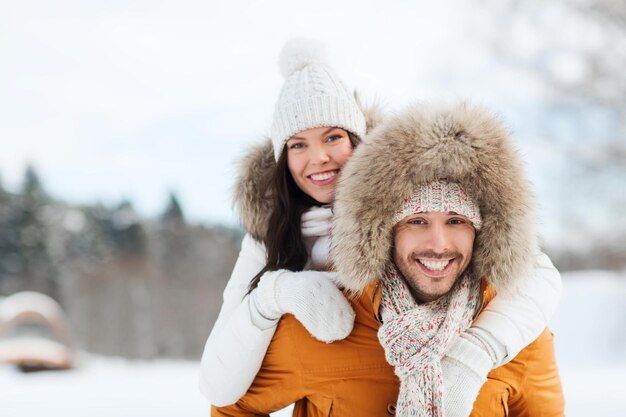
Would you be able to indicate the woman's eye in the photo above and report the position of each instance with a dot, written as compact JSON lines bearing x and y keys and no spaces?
{"x":457,"y":221}
{"x":416,"y":221}
{"x":334,"y":138}
{"x":296,"y":145}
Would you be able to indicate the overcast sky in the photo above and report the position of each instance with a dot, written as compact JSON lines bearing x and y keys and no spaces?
{"x":130,"y":99}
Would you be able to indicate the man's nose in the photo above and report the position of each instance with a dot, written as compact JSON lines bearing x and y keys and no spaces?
{"x":439,"y":239}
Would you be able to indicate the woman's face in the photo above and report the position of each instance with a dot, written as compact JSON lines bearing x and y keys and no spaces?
{"x":315,"y":157}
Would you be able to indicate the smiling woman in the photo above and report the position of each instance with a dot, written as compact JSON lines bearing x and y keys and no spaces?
{"x":283,"y":263}
{"x":315,"y":157}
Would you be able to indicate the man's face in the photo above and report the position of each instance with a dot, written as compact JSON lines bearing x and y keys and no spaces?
{"x":432,"y":250}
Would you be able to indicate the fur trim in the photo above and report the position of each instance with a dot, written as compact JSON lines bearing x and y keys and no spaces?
{"x":373,"y":112}
{"x":253,"y":187}
{"x":461,"y":143}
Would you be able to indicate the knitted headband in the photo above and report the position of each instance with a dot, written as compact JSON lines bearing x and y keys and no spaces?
{"x":440,"y":196}
{"x":312,"y":96}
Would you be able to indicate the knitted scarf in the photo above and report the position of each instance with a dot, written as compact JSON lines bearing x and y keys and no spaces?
{"x":415,"y":338}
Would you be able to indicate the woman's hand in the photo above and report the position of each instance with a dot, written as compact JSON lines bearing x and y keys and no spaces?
{"x":464,"y":370}
{"x":311,"y":296}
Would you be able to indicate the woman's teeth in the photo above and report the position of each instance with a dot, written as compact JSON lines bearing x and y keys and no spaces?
{"x":323,"y":176}
{"x":435,"y":265}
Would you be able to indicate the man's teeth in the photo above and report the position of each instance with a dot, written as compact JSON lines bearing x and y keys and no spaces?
{"x":435,"y":265}
{"x":323,"y":176}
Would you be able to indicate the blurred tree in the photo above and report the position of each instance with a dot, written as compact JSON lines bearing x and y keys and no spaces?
{"x":126,"y":230}
{"x":130,"y":286}
{"x":35,"y":268}
{"x":173,"y":253}
{"x":9,"y":244}
{"x":32,"y":185}
{"x":173,"y":211}
{"x":576,"y":51}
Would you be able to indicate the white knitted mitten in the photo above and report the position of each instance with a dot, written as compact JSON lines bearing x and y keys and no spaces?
{"x":464,"y":367}
{"x":311,"y":296}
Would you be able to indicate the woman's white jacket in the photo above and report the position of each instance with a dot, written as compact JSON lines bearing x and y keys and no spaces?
{"x":236,"y":346}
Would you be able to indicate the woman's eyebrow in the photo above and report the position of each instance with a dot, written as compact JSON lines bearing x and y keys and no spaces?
{"x":330,"y":129}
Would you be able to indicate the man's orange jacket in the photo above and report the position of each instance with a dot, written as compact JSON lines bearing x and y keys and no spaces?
{"x":352,"y":378}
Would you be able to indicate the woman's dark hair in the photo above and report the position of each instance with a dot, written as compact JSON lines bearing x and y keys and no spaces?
{"x":283,"y":241}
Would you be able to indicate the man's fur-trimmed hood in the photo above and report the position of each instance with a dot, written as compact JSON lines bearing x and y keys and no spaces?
{"x":460,"y":143}
{"x":253,"y":185}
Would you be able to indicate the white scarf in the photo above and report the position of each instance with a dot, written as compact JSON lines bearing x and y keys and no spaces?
{"x":316,"y":225}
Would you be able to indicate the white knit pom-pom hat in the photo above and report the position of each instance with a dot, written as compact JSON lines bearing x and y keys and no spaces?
{"x":312,"y":96}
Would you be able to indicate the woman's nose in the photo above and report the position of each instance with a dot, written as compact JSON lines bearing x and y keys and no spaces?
{"x":318,"y":155}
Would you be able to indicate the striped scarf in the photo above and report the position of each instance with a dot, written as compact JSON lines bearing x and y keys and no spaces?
{"x":415,"y":338}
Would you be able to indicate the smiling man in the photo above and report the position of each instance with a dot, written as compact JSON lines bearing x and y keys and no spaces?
{"x":429,"y":299}
{"x":433,"y":238}
{"x":436,"y":210}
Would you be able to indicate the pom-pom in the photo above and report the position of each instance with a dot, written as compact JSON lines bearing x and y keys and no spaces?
{"x":299,"y":53}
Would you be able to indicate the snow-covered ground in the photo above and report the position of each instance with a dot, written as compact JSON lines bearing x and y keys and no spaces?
{"x":590,"y":342}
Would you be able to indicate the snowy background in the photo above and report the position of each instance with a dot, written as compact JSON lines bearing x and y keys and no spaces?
{"x":127,"y":100}
{"x":590,"y":339}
